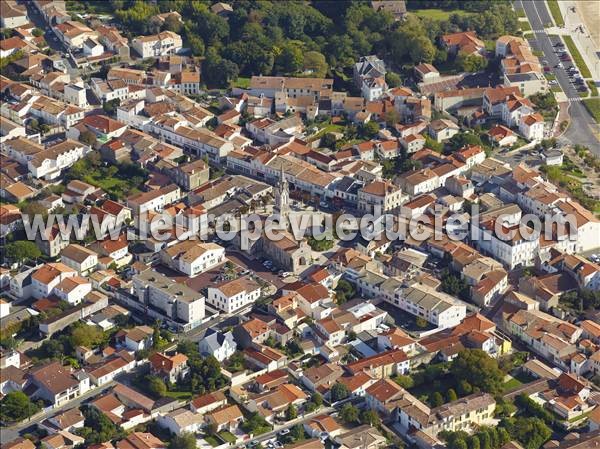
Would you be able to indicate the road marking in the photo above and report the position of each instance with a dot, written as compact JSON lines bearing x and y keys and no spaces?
{"x":575,"y":99}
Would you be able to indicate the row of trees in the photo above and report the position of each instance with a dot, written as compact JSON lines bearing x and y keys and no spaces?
{"x":291,"y":38}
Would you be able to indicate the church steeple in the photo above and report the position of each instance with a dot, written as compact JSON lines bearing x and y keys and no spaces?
{"x":282,"y":196}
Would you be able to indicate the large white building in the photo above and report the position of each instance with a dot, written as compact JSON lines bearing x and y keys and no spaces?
{"x":176,"y":301}
{"x":230,"y":296}
{"x":161,"y":44}
{"x":438,"y":308}
{"x":508,"y":243}
{"x":192,"y":258}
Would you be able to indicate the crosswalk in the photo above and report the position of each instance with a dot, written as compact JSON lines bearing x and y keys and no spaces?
{"x":539,"y":31}
{"x":574,"y":99}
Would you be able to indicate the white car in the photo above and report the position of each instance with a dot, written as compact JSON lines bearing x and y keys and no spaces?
{"x":284,"y":432}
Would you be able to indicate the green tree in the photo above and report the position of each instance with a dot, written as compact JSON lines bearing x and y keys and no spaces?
{"x":470,"y":62}
{"x":368,"y":130}
{"x":437,"y":399}
{"x":404,"y":381}
{"x":315,"y":64}
{"x":451,"y":395}
{"x":196,"y":45}
{"x":344,"y":291}
{"x":349,"y":414}
{"x":16,"y":406}
{"x":218,"y":71}
{"x":484,"y":440}
{"x":532,"y":433}
{"x":290,"y":60}
{"x":172,"y":23}
{"x":156,"y":387}
{"x":22,"y":250}
{"x":478,"y":369}
{"x":86,"y":335}
{"x":370,"y":417}
{"x":393,"y":79}
{"x":328,"y":141}
{"x":88,"y":137}
{"x":317,"y":399}
{"x":297,"y":432}
{"x":291,"y":412}
{"x":186,"y":440}
{"x":339,"y":392}
{"x":110,"y":107}
{"x":97,"y":427}
{"x":463,"y":139}
{"x":473,"y":442}
{"x":392,"y":117}
{"x":421,"y":322}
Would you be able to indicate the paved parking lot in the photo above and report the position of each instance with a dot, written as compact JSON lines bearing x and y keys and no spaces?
{"x":257,"y":267}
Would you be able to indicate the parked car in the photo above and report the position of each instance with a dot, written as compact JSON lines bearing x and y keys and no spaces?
{"x":284,"y":432}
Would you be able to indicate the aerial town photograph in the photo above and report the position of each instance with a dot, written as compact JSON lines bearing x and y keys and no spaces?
{"x":299,"y":224}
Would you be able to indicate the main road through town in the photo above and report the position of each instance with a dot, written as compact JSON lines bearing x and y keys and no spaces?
{"x":583,"y":129}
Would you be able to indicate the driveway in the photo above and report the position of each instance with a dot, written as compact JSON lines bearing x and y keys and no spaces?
{"x":583,"y":129}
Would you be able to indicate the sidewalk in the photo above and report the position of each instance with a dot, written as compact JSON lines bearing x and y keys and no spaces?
{"x":586,"y":46}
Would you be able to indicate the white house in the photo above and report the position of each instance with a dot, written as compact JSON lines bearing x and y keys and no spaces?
{"x":369,"y":77}
{"x":233,"y":295}
{"x":507,"y":243}
{"x":218,"y":344}
{"x":73,"y":289}
{"x":92,"y":48}
{"x":532,"y":127}
{"x":180,"y":421}
{"x":161,"y":44}
{"x":438,"y":308}
{"x":49,"y":276}
{"x":79,"y":258}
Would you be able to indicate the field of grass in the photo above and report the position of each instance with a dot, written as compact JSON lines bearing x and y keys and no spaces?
{"x":212,"y":441}
{"x":511,"y":384}
{"x":520,"y":12}
{"x":330,"y":128}
{"x":227,"y":436}
{"x":438,"y":14}
{"x":180,"y":395}
{"x":577,"y":58}
{"x":555,"y":11}
{"x":242,"y":82}
{"x":593,"y":88}
{"x":593,"y":106}
{"x":525,"y":26}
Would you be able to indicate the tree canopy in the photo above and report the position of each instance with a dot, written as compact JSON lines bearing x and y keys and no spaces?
{"x":478,"y":369}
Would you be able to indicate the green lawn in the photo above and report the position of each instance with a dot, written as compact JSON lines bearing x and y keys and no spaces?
{"x":227,"y":436}
{"x":180,"y":395}
{"x":525,"y":26}
{"x":577,"y":58}
{"x":212,"y":441}
{"x":242,"y":82}
{"x":555,"y":11}
{"x":520,"y":12}
{"x":438,"y":14}
{"x":550,"y":76}
{"x":592,"y":85}
{"x":511,"y":384}
{"x":593,"y":105}
{"x":329,"y":128}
